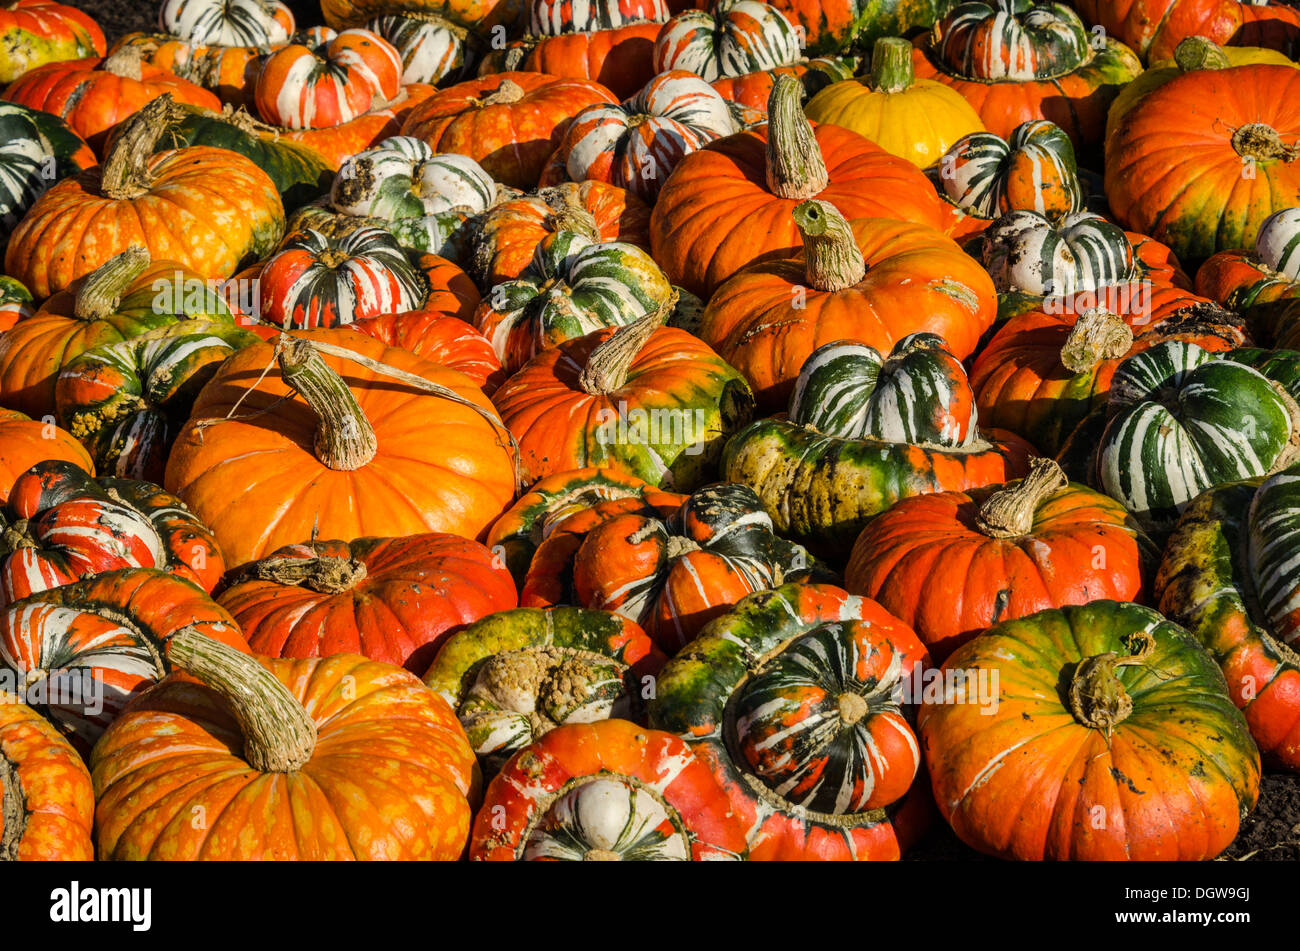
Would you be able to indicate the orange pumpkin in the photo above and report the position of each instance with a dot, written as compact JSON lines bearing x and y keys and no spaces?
{"x":287,"y":443}
{"x":730,"y":204}
{"x":874,"y":281}
{"x":25,"y":442}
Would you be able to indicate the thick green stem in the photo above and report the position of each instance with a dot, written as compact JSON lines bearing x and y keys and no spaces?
{"x":279,"y":735}
{"x":345,"y":440}
{"x":1198,"y":52}
{"x":891,"y":64}
{"x":795,"y":167}
{"x":834,"y":260}
{"x":101,"y":290}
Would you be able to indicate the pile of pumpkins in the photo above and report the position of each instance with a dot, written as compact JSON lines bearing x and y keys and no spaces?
{"x":645,"y":429}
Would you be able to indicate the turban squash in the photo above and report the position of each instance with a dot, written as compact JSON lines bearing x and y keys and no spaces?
{"x":1125,"y":744}
{"x":605,"y":791}
{"x":329,"y":82}
{"x":649,"y":401}
{"x":87,"y":648}
{"x":322,"y":444}
{"x":794,"y":700}
{"x":319,"y":759}
{"x":36,"y":32}
{"x":439,"y":338}
{"x":61,"y":525}
{"x":514,"y":676}
{"x":1154,"y":28}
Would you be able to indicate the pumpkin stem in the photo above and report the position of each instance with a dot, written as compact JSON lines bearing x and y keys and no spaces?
{"x":126,"y":62}
{"x":1097,"y":335}
{"x":891,"y":64}
{"x":101,"y":290}
{"x":126,"y":172}
{"x":1199,"y":52}
{"x":1009,"y":512}
{"x":601,"y":855}
{"x":679,"y":545}
{"x":1262,"y":143}
{"x":852,"y":707}
{"x":1097,"y":698}
{"x":279,"y":735}
{"x":327,"y":574}
{"x":834,"y":260}
{"x":567,"y":213}
{"x":509,"y":91}
{"x":14,"y":804}
{"x":345,"y":440}
{"x":607,"y":366}
{"x":795,"y":167}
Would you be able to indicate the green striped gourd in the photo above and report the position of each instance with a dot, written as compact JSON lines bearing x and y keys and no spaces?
{"x":1034,"y":170}
{"x":918,"y":394}
{"x":1028,"y":253}
{"x":1182,"y":421}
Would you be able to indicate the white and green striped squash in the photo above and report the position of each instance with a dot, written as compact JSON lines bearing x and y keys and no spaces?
{"x":1183,"y":421}
{"x":918,"y":394}
{"x":1028,"y":253}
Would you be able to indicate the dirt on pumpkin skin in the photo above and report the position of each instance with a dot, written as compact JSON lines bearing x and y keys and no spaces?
{"x":1270,"y":833}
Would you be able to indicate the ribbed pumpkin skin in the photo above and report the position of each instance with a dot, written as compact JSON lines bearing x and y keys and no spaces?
{"x":571,"y":665}
{"x":207,"y":208}
{"x":34,"y":351}
{"x":1205,"y":583}
{"x":514,"y":537}
{"x":1021,"y":384}
{"x":768,"y":319}
{"x":559,"y":426}
{"x":821,"y":491}
{"x":228,"y":22}
{"x":63,"y":525}
{"x":47,"y":780}
{"x":329,"y":83}
{"x":443,"y":462}
{"x":1153,"y":28}
{"x":510,"y":232}
{"x":431,"y":49}
{"x":1035,"y":170}
{"x":1076,"y":101}
{"x":229,"y":72}
{"x":649,"y":799}
{"x":1197,"y":198}
{"x":25,"y":442}
{"x":627,"y":557}
{"x":415,"y":592}
{"x":555,"y":17}
{"x":511,"y":139}
{"x":699,"y":688}
{"x":918,"y":123}
{"x":439,"y":338}
{"x":620,"y":59}
{"x":36,"y":32}
{"x":1182,"y":422}
{"x":113,"y":627}
{"x":389,"y":778}
{"x":729,"y":40}
{"x":1181,"y":770}
{"x":93,"y":100}
{"x":715,"y":214}
{"x":1082,"y":546}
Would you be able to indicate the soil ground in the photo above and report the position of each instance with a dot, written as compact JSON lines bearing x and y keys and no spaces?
{"x":1270,"y":833}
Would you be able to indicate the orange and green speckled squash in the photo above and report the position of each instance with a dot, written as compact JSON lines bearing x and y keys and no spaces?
{"x":47,"y":805}
{"x":821,"y":658}
{"x":1209,"y":582}
{"x":36,"y":32}
{"x":1112,"y":738}
{"x":609,"y":790}
{"x":514,"y":676}
{"x":321,"y":759}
